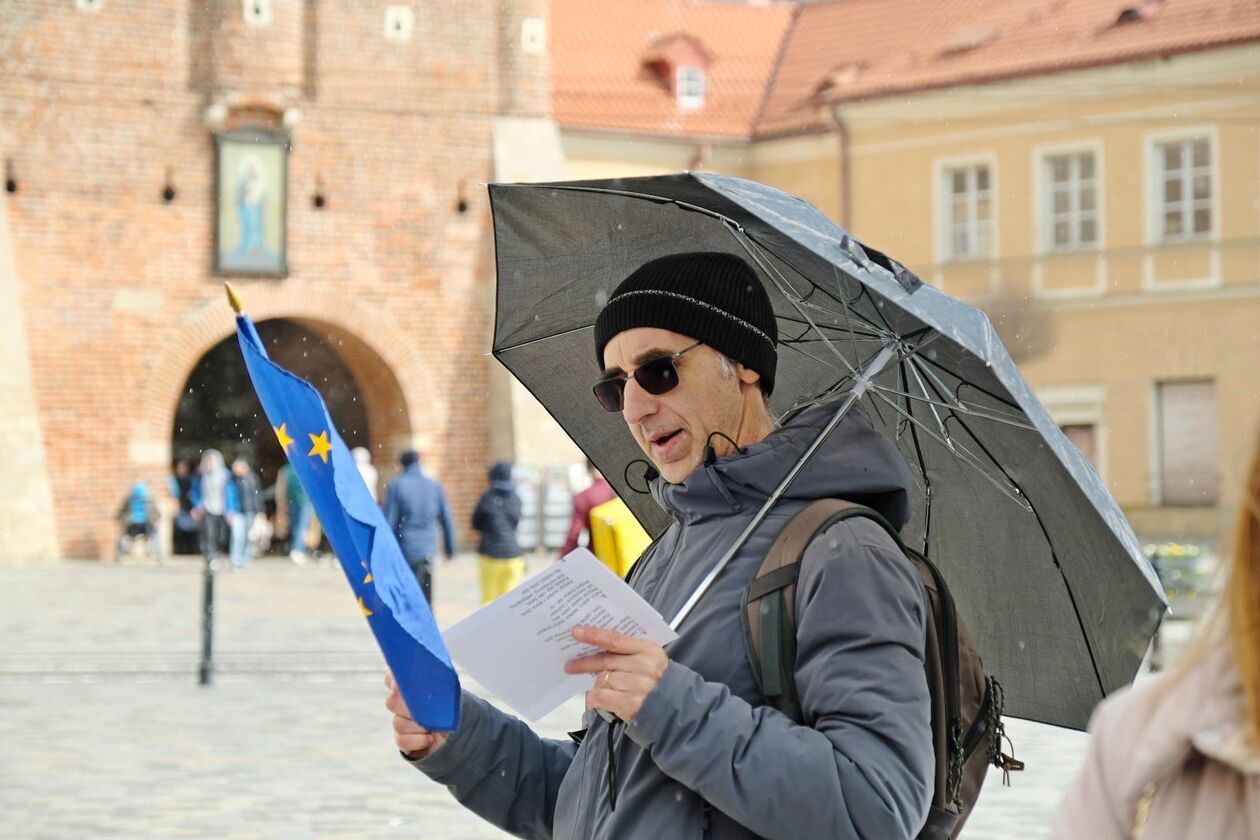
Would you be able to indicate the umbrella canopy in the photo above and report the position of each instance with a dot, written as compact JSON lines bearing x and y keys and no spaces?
{"x":1042,"y":563}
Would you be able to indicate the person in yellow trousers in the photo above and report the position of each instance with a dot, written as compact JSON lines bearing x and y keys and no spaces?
{"x":495,"y":519}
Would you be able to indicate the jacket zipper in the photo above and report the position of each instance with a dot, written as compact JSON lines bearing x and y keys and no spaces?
{"x":586,"y":812}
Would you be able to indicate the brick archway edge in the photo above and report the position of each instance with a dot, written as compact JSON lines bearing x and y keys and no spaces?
{"x":213,"y":321}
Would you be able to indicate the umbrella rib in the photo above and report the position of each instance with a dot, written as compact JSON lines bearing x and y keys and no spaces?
{"x":1089,"y":647}
{"x":779,"y":282}
{"x":547,"y":337}
{"x":931,"y":405}
{"x":835,"y":328}
{"x":952,"y":394}
{"x":963,"y":453}
{"x":922,"y":461}
{"x":963,"y":408}
{"x":965,"y":383}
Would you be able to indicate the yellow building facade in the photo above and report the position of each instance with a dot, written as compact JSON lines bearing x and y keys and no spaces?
{"x":1108,"y":220}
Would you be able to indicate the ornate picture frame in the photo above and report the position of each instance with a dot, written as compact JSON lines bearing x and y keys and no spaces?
{"x":251,"y":203}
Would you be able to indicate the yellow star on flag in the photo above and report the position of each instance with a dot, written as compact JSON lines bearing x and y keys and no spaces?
{"x":320,"y":445}
{"x":363,"y":606}
{"x":282,"y":434}
{"x":368,"y":579}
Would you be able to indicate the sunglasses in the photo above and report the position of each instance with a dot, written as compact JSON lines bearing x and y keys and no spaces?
{"x":656,"y":376}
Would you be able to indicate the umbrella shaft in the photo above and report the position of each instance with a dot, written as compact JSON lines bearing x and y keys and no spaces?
{"x":863,"y":382}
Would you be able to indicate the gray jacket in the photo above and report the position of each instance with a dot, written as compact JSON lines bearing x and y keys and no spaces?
{"x":704,"y":757}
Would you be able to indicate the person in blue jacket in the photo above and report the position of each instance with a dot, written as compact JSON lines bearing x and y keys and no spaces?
{"x":415,"y":506}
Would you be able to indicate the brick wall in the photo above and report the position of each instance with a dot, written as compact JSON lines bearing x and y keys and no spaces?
{"x":116,"y":286}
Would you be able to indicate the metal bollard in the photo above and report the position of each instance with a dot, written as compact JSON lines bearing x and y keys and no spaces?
{"x":207,"y":622}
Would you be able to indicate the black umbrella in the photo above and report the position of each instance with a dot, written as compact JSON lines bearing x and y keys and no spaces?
{"x":1042,"y":563}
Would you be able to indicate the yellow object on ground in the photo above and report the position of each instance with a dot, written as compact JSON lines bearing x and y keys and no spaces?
{"x":617,"y":538}
{"x":499,"y":575}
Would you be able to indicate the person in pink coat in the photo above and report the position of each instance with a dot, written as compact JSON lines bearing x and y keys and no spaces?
{"x":1178,"y":755}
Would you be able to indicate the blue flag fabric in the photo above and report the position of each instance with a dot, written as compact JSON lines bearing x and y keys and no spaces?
{"x":382,"y":582}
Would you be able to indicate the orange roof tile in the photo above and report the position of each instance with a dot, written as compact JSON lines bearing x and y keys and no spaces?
{"x":774,"y":65}
{"x":896,"y":46}
{"x":599,"y":79}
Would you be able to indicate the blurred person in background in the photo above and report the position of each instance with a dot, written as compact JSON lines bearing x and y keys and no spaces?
{"x":1179,"y":754}
{"x":599,"y":492}
{"x":363,"y":460}
{"x":415,"y":506}
{"x":184,"y":526}
{"x":244,"y":526}
{"x":138,"y":518}
{"x":293,"y":514}
{"x":214,"y":504}
{"x":495,"y":518}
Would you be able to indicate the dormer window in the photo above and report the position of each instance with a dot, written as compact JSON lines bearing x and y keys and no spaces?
{"x":689,"y":85}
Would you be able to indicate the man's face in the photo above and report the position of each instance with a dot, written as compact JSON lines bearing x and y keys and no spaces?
{"x":673,"y":428}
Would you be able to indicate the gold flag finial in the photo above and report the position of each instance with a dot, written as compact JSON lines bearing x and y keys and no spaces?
{"x":233,"y":299}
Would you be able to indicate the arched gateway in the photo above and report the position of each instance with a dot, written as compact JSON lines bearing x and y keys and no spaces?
{"x":199,"y":395}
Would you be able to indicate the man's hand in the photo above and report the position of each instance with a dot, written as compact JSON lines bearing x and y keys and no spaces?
{"x":627,"y":670}
{"x":414,"y":740}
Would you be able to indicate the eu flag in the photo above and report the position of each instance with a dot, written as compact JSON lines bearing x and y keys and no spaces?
{"x":383,"y":584}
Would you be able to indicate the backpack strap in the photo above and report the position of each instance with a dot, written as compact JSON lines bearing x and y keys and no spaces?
{"x":768,"y":607}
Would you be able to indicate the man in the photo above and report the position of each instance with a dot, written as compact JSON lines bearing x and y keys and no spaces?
{"x":592,"y":497}
{"x":688,"y":348}
{"x":414,"y":507}
{"x":249,"y":498}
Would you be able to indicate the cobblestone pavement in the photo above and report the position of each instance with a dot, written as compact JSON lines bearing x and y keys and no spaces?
{"x":105,"y":733}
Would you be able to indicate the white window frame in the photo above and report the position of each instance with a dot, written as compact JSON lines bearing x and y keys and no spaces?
{"x":685,"y":75}
{"x":1154,"y":196}
{"x":943,"y":169}
{"x":1080,"y":405}
{"x":1043,"y":186}
{"x":1155,"y":185}
{"x":1043,"y":215}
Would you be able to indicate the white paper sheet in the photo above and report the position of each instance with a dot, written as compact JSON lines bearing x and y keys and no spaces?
{"x":517,"y":645}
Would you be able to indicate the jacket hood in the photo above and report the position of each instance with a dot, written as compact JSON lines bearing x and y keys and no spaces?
{"x":501,"y":471}
{"x":855,"y":462}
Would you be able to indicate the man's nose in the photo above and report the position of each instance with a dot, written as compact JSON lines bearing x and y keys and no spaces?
{"x":636,"y":403}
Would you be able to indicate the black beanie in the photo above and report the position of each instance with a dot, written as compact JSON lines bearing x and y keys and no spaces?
{"x":710,"y":296}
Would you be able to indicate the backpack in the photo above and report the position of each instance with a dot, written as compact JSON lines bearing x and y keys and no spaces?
{"x":966,"y":704}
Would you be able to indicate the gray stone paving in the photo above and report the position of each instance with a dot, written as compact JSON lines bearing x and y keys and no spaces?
{"x":105,"y":733}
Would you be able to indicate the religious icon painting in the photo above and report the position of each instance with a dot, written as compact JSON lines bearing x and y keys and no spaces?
{"x":251,"y":193}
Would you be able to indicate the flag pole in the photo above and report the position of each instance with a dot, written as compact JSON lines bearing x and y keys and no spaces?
{"x":206,"y":669}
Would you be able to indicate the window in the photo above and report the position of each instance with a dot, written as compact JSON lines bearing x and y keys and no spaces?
{"x":969,"y":212}
{"x":1187,"y":443}
{"x":1184,"y":181}
{"x":689,"y":83}
{"x":1072,"y":196}
{"x":1084,"y":436}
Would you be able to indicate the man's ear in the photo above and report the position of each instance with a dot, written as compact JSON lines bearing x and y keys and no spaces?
{"x":747,"y":376}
